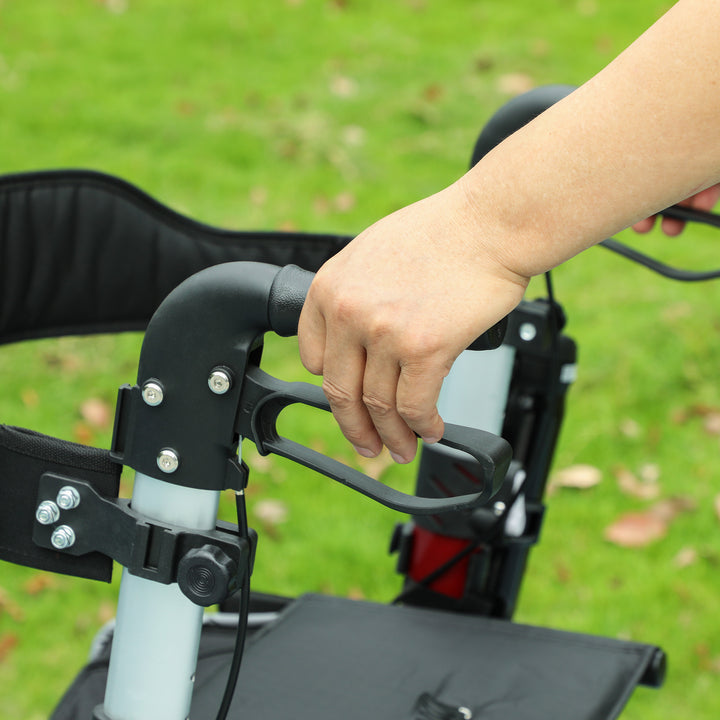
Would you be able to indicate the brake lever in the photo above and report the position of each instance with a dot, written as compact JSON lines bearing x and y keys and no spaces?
{"x":689,"y":214}
{"x":263,"y":398}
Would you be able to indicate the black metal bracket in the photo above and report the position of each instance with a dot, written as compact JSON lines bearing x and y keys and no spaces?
{"x":209,"y":566}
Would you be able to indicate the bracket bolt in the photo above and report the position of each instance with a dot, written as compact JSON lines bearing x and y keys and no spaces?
{"x":219,"y":381}
{"x":63,"y":537}
{"x":152,"y":393}
{"x":168,"y":460}
{"x":499,"y":508}
{"x":527,"y":331}
{"x":47,"y":512}
{"x":68,"y":497}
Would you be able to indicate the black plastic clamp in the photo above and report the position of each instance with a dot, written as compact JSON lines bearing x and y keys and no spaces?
{"x":208,"y":566}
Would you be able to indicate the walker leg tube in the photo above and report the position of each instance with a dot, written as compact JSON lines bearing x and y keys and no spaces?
{"x":157,"y":633}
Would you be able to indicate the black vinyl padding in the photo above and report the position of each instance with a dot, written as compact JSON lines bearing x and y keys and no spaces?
{"x":84,"y":252}
{"x":24,"y":457}
{"x":328,"y":658}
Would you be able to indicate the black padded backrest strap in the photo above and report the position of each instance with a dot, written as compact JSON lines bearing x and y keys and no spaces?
{"x":24,"y":456}
{"x":83,"y":252}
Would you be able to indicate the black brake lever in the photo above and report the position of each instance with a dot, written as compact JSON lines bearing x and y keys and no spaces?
{"x":264,"y":397}
{"x":689,"y":214}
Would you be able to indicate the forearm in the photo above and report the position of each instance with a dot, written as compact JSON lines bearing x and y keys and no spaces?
{"x":641,"y":135}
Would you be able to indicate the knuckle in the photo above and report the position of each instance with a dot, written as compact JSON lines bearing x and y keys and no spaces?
{"x":339,"y":397}
{"x":414,"y":415}
{"x":377,"y":406}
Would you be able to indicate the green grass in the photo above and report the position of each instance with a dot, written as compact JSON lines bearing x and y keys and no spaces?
{"x":325,"y":116}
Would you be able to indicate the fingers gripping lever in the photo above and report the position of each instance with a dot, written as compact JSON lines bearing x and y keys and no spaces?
{"x":264,"y":397}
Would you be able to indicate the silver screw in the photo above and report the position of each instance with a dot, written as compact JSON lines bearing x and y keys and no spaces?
{"x":152,"y":393}
{"x":68,"y":498}
{"x":499,"y":508}
{"x":63,"y":537}
{"x":168,"y":460}
{"x":47,"y":512}
{"x":219,"y":381}
{"x":527,"y":332}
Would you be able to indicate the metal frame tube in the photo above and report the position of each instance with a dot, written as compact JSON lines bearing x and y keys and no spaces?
{"x":157,"y":633}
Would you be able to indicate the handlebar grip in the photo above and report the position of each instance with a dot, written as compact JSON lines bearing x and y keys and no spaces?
{"x":289,"y":290}
{"x":287,"y":296}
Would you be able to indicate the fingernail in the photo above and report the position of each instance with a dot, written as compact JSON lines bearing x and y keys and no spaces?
{"x":431,"y":440}
{"x":398,"y":458}
{"x":364,"y":452}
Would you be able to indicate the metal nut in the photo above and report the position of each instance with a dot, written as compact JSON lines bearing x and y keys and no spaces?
{"x":527,"y":332}
{"x":168,"y":460}
{"x":152,"y":393}
{"x":63,"y":537}
{"x":219,"y":381}
{"x":47,"y":512}
{"x":68,"y":497}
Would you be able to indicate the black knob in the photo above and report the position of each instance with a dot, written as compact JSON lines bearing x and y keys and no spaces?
{"x":207,"y":576}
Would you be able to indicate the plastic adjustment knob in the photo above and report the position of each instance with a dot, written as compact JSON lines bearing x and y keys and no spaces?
{"x":206,"y":575}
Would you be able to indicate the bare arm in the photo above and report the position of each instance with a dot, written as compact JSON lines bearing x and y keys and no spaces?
{"x":387,"y":316}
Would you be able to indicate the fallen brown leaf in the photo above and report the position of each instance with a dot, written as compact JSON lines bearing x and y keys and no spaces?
{"x":8,"y":642}
{"x":83,"y":433}
{"x":39,"y":583}
{"x":30,"y":397}
{"x":273,"y":512}
{"x":9,"y":606}
{"x":669,"y":508}
{"x":638,"y":529}
{"x":634,"y":530}
{"x":711,"y":423}
{"x":580,"y":477}
{"x":630,"y":485}
{"x":96,"y":412}
{"x":515,"y":83}
{"x":686,"y":557}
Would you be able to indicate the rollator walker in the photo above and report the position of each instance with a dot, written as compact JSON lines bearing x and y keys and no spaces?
{"x":88,"y":253}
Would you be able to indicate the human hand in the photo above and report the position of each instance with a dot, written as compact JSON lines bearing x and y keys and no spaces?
{"x":704,"y":200}
{"x":386,"y":317}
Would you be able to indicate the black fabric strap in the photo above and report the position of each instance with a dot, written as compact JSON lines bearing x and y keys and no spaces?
{"x":24,"y":456}
{"x":83,"y":252}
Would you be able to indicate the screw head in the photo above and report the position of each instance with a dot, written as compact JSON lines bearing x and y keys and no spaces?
{"x":47,"y":512}
{"x":527,"y":332}
{"x":152,"y":393}
{"x":499,"y":508}
{"x":219,"y":381}
{"x":63,"y":537}
{"x":68,"y":497}
{"x":168,"y":460}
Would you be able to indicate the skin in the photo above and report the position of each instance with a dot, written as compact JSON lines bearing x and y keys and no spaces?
{"x":387,"y":316}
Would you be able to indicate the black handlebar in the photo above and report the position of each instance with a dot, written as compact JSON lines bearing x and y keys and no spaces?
{"x":213,"y":324}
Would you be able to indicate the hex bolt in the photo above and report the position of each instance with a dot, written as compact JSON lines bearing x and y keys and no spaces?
{"x":152,"y":393}
{"x":63,"y":537}
{"x":47,"y":512}
{"x":68,"y":497}
{"x":499,"y":508}
{"x":527,"y":332}
{"x":219,"y":381}
{"x":168,"y":460}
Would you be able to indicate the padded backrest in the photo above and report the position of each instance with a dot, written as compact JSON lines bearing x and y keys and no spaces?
{"x":83,"y":252}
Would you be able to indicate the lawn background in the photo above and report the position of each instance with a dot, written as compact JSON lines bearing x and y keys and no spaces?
{"x":325,"y":115}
